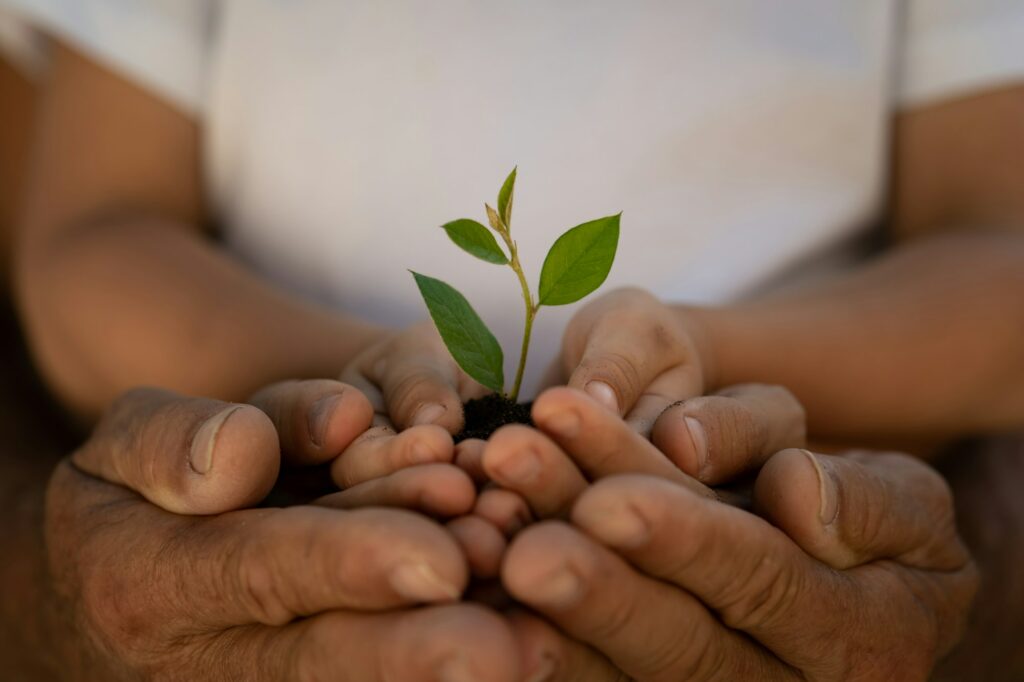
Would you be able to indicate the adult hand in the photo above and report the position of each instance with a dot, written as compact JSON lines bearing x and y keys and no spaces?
{"x":299,"y":593}
{"x":634,"y":355}
{"x":861,"y":577}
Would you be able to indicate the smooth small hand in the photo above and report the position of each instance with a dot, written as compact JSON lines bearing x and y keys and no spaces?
{"x":634,"y":355}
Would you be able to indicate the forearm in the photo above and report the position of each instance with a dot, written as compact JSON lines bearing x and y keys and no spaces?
{"x":924,"y":342}
{"x":144,"y":301}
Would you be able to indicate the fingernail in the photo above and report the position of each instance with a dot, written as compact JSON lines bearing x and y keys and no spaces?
{"x":827,"y":490}
{"x":200,"y":456}
{"x":456,"y":669}
{"x":418,"y":582}
{"x":520,"y":466}
{"x":622,"y":527}
{"x":699,"y":440}
{"x":565,"y":423}
{"x":428,"y":414}
{"x":603,"y":394}
{"x":319,"y":417}
{"x":545,"y":670}
{"x":561,"y":589}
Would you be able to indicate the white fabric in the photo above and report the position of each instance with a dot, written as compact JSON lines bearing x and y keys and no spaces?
{"x":954,"y":47}
{"x":161,"y":43}
{"x":739,"y":137}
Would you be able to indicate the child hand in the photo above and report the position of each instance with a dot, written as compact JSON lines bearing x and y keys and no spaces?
{"x":411,"y":379}
{"x":416,"y":391}
{"x":634,"y":355}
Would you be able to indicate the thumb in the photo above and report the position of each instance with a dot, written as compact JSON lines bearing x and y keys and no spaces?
{"x":860,"y":507}
{"x":185,"y":455}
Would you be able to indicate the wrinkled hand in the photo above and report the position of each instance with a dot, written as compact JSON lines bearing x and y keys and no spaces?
{"x":857,"y":573}
{"x":262,"y":594}
{"x":529,"y":474}
{"x":634,"y":355}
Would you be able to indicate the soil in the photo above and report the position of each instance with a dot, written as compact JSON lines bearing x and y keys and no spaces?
{"x":486,"y":415}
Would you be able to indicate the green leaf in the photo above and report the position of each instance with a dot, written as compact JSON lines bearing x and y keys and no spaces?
{"x":473,"y":238}
{"x":505,"y":197}
{"x":579,"y":261}
{"x":468,"y":339}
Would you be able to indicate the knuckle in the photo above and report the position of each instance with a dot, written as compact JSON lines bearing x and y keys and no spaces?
{"x":406,"y":387}
{"x":410,"y":390}
{"x":761,"y":595}
{"x":617,"y":618}
{"x":701,"y":661}
{"x":624,"y":373}
{"x":697,"y":661}
{"x":252,"y":578}
{"x":257,"y":588}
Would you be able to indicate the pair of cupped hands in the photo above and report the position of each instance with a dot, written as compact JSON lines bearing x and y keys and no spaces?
{"x":622,"y":562}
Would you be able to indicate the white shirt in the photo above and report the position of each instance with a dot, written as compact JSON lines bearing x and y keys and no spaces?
{"x":740,"y":138}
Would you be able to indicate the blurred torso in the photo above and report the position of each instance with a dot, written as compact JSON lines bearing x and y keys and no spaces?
{"x":737,"y":137}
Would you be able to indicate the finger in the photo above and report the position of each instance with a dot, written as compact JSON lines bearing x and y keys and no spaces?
{"x":185,"y":455}
{"x":440,"y":490}
{"x":379,"y":452}
{"x":420,"y":384}
{"x":715,"y":438}
{"x":648,"y":629}
{"x":299,"y":561}
{"x":600,"y":445}
{"x":624,"y":349}
{"x":354,"y":377}
{"x":761,"y":582}
{"x":752,"y":575}
{"x":482,"y":543}
{"x":315,"y":419}
{"x":671,"y":386}
{"x":504,"y":509}
{"x":531,"y":464}
{"x":456,"y":643}
{"x":469,"y":456}
{"x":253,"y":566}
{"x":549,"y":655}
{"x":851,"y":510}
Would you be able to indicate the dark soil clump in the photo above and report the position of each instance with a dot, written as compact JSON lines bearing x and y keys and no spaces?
{"x":486,"y":415}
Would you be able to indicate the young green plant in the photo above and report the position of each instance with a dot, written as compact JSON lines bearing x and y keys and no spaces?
{"x":577,"y":264}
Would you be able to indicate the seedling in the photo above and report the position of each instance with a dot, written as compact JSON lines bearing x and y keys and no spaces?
{"x":577,"y":264}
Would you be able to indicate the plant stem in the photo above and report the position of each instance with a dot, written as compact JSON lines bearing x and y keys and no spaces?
{"x":531,"y":312}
